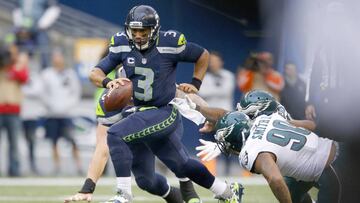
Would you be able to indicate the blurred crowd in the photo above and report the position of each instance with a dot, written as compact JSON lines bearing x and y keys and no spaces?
{"x":34,"y":80}
{"x":257,"y":72}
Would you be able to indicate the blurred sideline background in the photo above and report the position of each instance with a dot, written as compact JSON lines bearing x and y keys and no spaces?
{"x":82,"y":30}
{"x":73,"y":34}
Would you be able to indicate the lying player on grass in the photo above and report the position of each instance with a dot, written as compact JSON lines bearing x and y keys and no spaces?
{"x":272,"y":145}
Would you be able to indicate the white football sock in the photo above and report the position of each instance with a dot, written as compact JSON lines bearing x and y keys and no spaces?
{"x":167,"y":192}
{"x":124,"y":184}
{"x":218,"y":187}
{"x":183,"y":179}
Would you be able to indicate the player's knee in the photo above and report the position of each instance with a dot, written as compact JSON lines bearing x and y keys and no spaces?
{"x":144,"y":183}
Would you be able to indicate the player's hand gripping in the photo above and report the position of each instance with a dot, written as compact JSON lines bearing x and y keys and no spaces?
{"x":188,"y":88}
{"x":208,"y":150}
{"x":116,"y":83}
{"x":208,"y":127}
{"x":79,"y":197}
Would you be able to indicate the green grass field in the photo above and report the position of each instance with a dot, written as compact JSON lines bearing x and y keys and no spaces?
{"x":40,"y":193}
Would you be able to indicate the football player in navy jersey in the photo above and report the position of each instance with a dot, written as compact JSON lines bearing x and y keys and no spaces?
{"x":149,"y":57}
{"x":101,"y":154}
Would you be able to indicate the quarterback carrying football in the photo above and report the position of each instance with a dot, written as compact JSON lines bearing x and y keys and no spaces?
{"x":149,"y":57}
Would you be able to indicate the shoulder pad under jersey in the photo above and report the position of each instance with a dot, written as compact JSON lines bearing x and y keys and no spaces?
{"x":171,"y":42}
{"x":119,"y":43}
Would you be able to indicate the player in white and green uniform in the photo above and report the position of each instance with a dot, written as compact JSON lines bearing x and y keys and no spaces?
{"x":272,"y":145}
{"x":299,"y":153}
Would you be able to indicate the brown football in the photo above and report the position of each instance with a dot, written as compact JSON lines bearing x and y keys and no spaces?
{"x":119,"y":97}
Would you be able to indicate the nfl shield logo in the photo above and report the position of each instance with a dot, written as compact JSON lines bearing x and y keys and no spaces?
{"x":143,"y":60}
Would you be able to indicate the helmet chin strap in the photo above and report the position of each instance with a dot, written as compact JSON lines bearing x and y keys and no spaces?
{"x":243,"y":139}
{"x":142,"y":47}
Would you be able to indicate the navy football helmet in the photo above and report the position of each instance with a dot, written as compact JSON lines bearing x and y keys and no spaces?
{"x":141,"y":17}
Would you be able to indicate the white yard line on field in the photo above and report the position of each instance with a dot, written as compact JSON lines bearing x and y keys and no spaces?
{"x":108,"y":181}
{"x":97,"y":198}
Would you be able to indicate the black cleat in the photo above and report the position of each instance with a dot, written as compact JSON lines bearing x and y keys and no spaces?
{"x":174,"y":196}
{"x":188,"y":192}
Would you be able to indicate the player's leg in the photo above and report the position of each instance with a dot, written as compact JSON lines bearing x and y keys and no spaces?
{"x":133,"y":129}
{"x":135,"y":123}
{"x":329,"y":186}
{"x":186,"y":185}
{"x":299,"y":190}
{"x":188,"y":191}
{"x":150,"y":124}
{"x":173,"y":154}
{"x":143,"y":168}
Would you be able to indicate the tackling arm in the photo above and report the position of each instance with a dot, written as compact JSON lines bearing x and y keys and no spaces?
{"x":211,"y":114}
{"x":307,"y":124}
{"x":265,"y":164}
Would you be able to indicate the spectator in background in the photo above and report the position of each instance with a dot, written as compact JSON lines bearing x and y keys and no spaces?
{"x":13,"y":73}
{"x":219,"y":84}
{"x":218,"y":91}
{"x":293,"y":94}
{"x":61,"y":94}
{"x":259,"y":74}
{"x":32,"y":110}
{"x":32,"y":19}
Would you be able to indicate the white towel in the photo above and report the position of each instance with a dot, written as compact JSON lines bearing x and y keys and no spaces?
{"x":183,"y":105}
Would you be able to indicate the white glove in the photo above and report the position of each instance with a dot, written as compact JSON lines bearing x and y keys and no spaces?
{"x":208,"y":150}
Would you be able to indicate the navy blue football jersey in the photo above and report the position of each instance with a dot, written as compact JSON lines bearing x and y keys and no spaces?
{"x":152,"y":72}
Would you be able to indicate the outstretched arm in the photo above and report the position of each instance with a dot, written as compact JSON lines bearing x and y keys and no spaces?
{"x":265,"y":165}
{"x":307,"y":124}
{"x":210,"y":113}
{"x":96,"y":167}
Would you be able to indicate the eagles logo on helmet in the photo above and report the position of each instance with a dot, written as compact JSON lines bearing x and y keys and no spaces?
{"x":232,"y":131}
{"x":256,"y":103}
